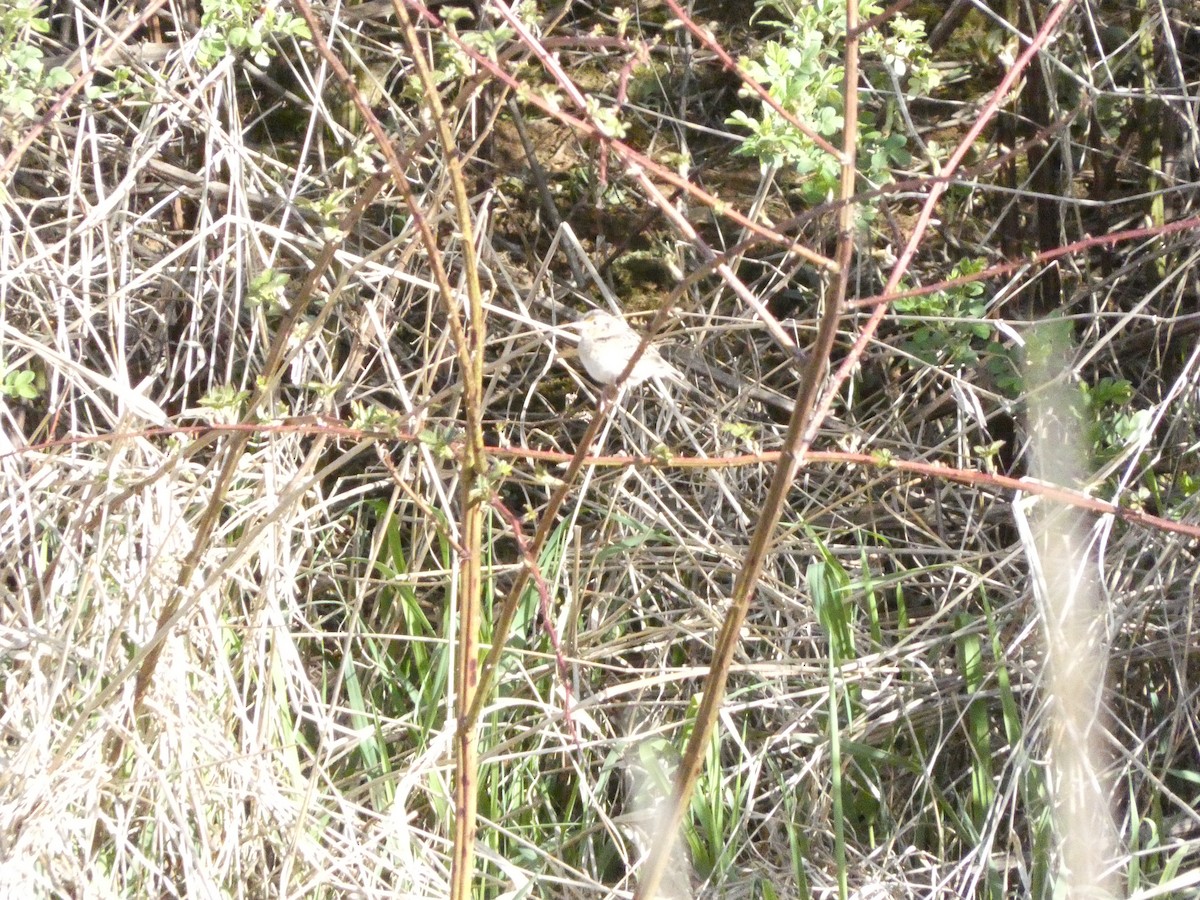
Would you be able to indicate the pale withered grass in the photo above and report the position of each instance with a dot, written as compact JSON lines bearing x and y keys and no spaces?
{"x":227,"y":633}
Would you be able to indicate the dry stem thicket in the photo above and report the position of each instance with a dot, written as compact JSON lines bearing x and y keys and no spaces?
{"x":227,"y":634}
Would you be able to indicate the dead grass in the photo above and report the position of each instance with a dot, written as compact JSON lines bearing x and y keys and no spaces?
{"x":227,"y":637}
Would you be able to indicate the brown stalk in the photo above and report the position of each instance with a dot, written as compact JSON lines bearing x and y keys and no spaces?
{"x":792,"y":457}
{"x":928,"y":470}
{"x":508,"y":609}
{"x":936,"y":190}
{"x":468,"y":343}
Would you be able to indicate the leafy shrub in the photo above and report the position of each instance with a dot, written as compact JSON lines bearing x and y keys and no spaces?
{"x":244,"y":26}
{"x":24,"y":79}
{"x":950,"y":328}
{"x":803,"y":71}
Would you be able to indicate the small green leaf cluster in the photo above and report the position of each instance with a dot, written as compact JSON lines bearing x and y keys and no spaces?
{"x":489,"y":41}
{"x":244,"y":26}
{"x":24,"y":78}
{"x":951,"y":328}
{"x":20,"y":384}
{"x":948,"y":323}
{"x":1120,"y":433}
{"x":224,"y":403}
{"x":123,"y":87}
{"x":452,"y":61}
{"x":370,"y":417}
{"x":1114,"y":422}
{"x":803,"y":72}
{"x":330,"y":207}
{"x":267,"y":290}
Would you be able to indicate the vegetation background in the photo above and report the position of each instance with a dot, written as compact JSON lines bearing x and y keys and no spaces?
{"x":288,"y":410}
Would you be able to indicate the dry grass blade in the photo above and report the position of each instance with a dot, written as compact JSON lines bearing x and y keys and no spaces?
{"x":295,"y":440}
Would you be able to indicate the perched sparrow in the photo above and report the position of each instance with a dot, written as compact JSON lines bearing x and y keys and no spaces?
{"x":607,"y":343}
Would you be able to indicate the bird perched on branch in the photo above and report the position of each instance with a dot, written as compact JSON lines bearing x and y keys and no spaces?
{"x":607,"y":343}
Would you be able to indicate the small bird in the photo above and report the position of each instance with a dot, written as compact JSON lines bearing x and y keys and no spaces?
{"x":607,"y":343}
